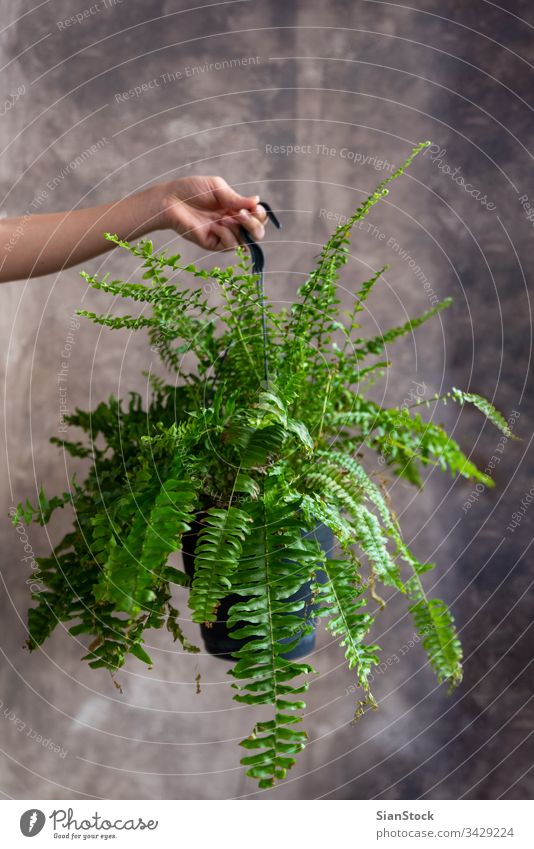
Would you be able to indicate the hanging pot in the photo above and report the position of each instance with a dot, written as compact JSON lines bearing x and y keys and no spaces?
{"x":216,"y":638}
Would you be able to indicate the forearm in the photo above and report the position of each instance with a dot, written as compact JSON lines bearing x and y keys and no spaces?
{"x":33,"y":245}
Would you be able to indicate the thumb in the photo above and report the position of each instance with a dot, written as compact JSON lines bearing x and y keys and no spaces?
{"x":227,"y":198}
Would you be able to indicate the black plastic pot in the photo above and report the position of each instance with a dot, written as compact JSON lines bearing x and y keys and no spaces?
{"x":217,"y":639}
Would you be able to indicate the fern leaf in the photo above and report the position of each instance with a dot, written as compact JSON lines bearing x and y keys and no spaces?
{"x":316,"y":509}
{"x":373,"y":543}
{"x":366,"y":289}
{"x":439,"y":638}
{"x":132,"y":566}
{"x":169,"y":520}
{"x":256,"y":445}
{"x":377,"y":344}
{"x":485,"y":407}
{"x":324,"y":484}
{"x":406,"y":441}
{"x":117,"y":322}
{"x":276,"y":562}
{"x":347,"y":467}
{"x":435,"y":626}
{"x":341,"y":478}
{"x":216,"y":557}
{"x":340,"y":599}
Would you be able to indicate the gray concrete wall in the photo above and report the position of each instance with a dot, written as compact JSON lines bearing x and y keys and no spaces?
{"x":369,"y":79}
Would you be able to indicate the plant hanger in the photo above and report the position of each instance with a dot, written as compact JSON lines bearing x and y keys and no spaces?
{"x":258,"y":265}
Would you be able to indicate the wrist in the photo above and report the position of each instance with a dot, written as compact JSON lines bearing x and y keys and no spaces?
{"x":144,"y":212}
{"x":154,"y":208}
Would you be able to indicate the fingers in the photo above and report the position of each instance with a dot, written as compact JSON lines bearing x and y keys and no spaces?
{"x":260,"y":213}
{"x":228,"y":240}
{"x":227,"y":198}
{"x":221,"y":235}
{"x":243,"y":218}
{"x":252,"y":223}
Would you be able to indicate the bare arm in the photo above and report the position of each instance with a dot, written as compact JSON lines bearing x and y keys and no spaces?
{"x":204,"y":210}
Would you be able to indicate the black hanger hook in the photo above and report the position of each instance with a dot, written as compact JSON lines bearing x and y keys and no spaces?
{"x":256,"y":253}
{"x":258,"y":263}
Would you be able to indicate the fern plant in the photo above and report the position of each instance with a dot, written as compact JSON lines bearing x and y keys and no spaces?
{"x":260,"y":464}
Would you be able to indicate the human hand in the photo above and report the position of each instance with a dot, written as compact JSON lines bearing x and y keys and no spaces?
{"x":207,"y":211}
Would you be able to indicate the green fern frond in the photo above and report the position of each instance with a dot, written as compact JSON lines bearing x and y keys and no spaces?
{"x":169,"y":520}
{"x":432,"y":618}
{"x":340,"y":599}
{"x":276,"y":562}
{"x":257,"y":446}
{"x":342,"y":479}
{"x":367,"y":287}
{"x":485,"y":407}
{"x":318,"y":301}
{"x":377,"y":344}
{"x":216,"y":557}
{"x":315,"y":509}
{"x":118,"y":322}
{"x":132,"y":563}
{"x":373,"y":543}
{"x":347,"y":467}
{"x":406,"y":441}
{"x":323,"y":484}
{"x":435,"y":625}
{"x":259,"y":432}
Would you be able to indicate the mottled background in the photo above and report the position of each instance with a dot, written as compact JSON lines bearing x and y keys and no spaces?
{"x":354,"y":80}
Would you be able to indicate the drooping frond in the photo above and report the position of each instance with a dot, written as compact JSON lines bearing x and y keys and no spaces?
{"x":373,"y":542}
{"x":216,"y":557}
{"x":439,"y":638}
{"x":346,"y":467}
{"x":132,"y":564}
{"x":316,"y":509}
{"x":341,"y":477}
{"x":340,"y":599}
{"x":276,"y":561}
{"x":485,"y":407}
{"x":435,"y":625}
{"x":405,"y":441}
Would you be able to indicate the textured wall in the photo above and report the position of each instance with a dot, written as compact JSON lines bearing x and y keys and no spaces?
{"x":353,"y":80}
